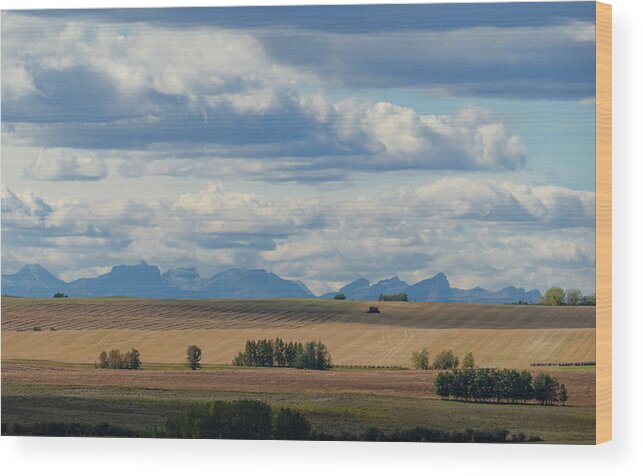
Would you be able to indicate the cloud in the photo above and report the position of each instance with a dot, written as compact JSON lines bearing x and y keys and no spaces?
{"x":479,"y":232}
{"x":66,"y":165}
{"x":496,"y":201}
{"x":143,"y":86}
{"x":23,"y":210}
{"x":535,"y":62}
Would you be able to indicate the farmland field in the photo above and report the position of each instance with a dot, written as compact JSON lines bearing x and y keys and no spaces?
{"x":49,"y":374}
{"x":76,"y":330}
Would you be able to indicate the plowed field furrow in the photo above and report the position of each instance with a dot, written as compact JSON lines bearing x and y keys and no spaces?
{"x":122,"y":313}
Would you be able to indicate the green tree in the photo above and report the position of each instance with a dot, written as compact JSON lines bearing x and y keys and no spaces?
{"x":133,"y":359}
{"x":443,"y":383}
{"x":291,"y":425}
{"x":589,"y":300}
{"x":103,"y":363}
{"x":562,"y":394}
{"x":445,"y":360}
{"x":554,"y":296}
{"x":573,"y":297}
{"x":546,"y":389}
{"x":115,"y":359}
{"x":340,"y":297}
{"x":194,"y":357}
{"x":393,"y":297}
{"x":420,"y":359}
{"x":468,"y":362}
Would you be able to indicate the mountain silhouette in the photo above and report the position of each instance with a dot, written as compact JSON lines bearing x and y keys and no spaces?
{"x":144,"y":280}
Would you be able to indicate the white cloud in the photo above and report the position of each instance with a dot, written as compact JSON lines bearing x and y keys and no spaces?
{"x":479,"y":232}
{"x":66,"y":165}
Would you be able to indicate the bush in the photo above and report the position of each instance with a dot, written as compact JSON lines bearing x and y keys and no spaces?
{"x":194,"y":357}
{"x":340,"y":297}
{"x":420,"y":359}
{"x":445,"y":360}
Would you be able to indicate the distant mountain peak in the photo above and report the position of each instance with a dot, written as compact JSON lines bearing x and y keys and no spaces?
{"x":145,"y":280}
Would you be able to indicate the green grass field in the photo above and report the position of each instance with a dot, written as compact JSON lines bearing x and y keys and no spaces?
{"x":142,"y":409}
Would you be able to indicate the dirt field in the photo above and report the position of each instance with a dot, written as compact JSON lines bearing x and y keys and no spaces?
{"x":158,"y":314}
{"x":77,"y":330}
{"x":394,"y":383}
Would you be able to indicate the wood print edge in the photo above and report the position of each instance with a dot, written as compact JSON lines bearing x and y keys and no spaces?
{"x":603,"y":222}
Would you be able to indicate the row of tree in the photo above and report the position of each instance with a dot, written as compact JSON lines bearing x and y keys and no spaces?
{"x":557,"y":296}
{"x":115,"y":359}
{"x":499,"y":385}
{"x":443,"y":361}
{"x":255,"y":420}
{"x":393,"y":297}
{"x":238,"y":419}
{"x":277,"y":353}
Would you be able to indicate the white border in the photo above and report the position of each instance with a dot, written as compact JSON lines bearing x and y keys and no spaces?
{"x":112,"y":457}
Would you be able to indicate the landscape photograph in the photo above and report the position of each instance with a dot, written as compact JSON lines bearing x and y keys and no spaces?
{"x":349,"y":223}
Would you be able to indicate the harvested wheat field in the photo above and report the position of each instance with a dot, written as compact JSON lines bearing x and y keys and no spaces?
{"x":77,"y":330}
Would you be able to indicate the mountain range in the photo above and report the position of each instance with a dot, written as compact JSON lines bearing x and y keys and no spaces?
{"x":144,"y":280}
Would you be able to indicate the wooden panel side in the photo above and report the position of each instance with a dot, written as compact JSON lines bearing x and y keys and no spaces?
{"x":603,"y":222}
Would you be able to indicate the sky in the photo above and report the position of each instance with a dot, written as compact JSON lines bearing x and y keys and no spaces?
{"x":320,"y":143}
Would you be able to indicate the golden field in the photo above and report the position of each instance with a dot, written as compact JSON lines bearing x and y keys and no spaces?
{"x":76,"y":330}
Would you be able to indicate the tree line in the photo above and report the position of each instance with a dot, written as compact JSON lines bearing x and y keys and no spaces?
{"x":557,"y":296}
{"x":499,"y":385}
{"x":255,"y":420}
{"x":277,"y":353}
{"x":393,"y":297}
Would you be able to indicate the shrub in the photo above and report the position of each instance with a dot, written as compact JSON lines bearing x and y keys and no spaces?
{"x":340,"y":297}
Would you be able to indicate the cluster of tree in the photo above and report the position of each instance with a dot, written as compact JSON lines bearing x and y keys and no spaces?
{"x":277,"y":353}
{"x":58,"y":428}
{"x":116,"y":359}
{"x":60,"y":295}
{"x":393,"y":297}
{"x":557,"y":296}
{"x":340,"y":297}
{"x":255,"y":420}
{"x":499,"y":385}
{"x":238,"y":419}
{"x":443,"y":361}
